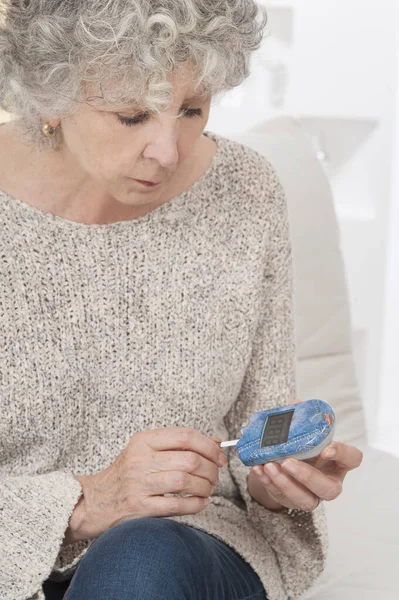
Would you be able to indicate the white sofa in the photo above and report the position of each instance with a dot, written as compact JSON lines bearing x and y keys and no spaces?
{"x":364,"y":519}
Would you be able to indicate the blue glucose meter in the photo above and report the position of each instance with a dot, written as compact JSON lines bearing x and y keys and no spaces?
{"x":300,"y":431}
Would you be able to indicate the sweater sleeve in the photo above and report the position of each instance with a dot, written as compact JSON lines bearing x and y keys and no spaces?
{"x":34,"y":516}
{"x":298,"y":538}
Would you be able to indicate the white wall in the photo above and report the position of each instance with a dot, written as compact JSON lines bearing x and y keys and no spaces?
{"x":388,"y":432}
{"x":340,"y":73}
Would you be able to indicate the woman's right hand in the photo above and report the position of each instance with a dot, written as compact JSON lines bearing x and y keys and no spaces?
{"x":154,"y":462}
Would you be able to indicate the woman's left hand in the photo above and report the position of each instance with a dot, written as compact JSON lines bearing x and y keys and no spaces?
{"x":299,"y":483}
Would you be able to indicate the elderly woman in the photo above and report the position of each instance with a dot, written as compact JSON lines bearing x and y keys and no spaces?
{"x":145,"y":313}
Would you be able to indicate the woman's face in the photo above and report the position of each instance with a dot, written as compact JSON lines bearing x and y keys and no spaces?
{"x":106,"y":145}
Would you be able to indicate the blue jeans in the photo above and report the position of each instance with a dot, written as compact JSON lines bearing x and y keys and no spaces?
{"x":158,"y":559}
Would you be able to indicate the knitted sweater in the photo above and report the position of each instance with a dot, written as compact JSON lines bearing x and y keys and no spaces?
{"x":181,"y":317}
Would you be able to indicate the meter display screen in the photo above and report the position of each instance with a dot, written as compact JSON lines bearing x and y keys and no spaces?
{"x":277,"y":429}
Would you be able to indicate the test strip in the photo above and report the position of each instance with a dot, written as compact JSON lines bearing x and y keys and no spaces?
{"x":231,"y":443}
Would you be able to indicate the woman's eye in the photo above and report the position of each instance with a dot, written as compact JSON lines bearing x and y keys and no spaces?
{"x":188,"y":112}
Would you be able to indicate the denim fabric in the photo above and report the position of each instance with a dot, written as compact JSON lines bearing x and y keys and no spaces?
{"x":159,"y":559}
{"x":312,"y":422}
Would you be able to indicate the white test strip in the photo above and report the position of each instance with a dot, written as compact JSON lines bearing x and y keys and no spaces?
{"x":231,"y":443}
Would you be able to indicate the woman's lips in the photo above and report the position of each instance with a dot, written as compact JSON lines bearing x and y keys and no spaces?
{"x":147,"y":183}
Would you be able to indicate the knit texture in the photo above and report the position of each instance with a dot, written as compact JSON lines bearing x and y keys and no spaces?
{"x":183,"y":318}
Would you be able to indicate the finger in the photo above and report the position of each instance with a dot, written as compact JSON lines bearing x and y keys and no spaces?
{"x":215,"y":439}
{"x":176,"y":482}
{"x":174,"y":505}
{"x":326,"y":487}
{"x":187,"y":461}
{"x":286,"y":490}
{"x":185,"y":438}
{"x":347,"y":457}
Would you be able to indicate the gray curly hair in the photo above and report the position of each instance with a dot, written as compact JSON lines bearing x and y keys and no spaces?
{"x":49,"y":49}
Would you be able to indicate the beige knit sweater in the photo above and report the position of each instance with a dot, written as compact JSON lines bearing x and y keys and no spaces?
{"x":182,"y":317}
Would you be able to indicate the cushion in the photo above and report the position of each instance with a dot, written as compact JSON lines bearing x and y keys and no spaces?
{"x":325,"y":364}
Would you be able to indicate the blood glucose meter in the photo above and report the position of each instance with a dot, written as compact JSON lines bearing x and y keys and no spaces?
{"x":300,"y":431}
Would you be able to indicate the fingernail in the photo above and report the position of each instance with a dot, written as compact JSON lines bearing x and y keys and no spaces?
{"x":223,"y":462}
{"x":258,"y":470}
{"x":265,"y":479}
{"x":290,"y":465}
{"x":330,"y":453}
{"x":272,"y":469}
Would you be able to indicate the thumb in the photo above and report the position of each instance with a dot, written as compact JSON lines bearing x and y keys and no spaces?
{"x":215,"y":438}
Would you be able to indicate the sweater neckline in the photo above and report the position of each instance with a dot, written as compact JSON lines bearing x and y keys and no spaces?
{"x":176,"y":203}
